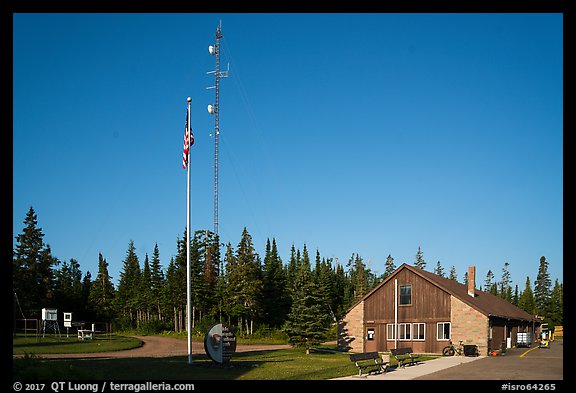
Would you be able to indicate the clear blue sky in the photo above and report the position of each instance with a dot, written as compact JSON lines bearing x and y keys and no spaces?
{"x":353,"y":133}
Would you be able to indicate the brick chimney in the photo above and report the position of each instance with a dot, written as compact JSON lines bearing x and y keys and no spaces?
{"x":471,"y":280}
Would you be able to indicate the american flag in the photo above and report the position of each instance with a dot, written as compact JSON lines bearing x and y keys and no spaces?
{"x":188,"y":141}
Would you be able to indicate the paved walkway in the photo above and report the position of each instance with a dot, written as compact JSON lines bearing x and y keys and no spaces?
{"x":417,"y":370}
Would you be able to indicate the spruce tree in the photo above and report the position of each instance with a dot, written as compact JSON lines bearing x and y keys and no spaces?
{"x":307,"y":324}
{"x":86,"y":312}
{"x":516,"y":295}
{"x":156,"y":282}
{"x":340,"y":285}
{"x":32,"y":273}
{"x":324,"y":281}
{"x":505,"y":290}
{"x":419,"y":262}
{"x":526,"y":300}
{"x":453,"y":275}
{"x":127,"y":295}
{"x":390,"y":266}
{"x":174,"y":290}
{"x":101,"y":297}
{"x":439,"y":270}
{"x":291,"y":269}
{"x":556,"y":312}
{"x":202,"y":276}
{"x":245,"y":282}
{"x":542,"y":288}
{"x":273,"y":287}
{"x":489,"y":285}
{"x":231,"y":304}
{"x":359,"y":276}
{"x":68,"y":288}
{"x":145,"y":299}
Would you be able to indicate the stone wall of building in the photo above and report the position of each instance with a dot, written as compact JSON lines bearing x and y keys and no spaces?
{"x":351,"y":330}
{"x":468,"y":325}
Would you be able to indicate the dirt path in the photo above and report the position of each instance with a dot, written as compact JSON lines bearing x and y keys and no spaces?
{"x":155,"y":346}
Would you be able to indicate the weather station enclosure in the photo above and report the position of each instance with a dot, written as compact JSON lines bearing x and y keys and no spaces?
{"x":50,"y":320}
{"x":49,"y":314}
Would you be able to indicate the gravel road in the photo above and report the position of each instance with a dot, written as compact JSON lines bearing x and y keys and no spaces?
{"x":155,"y":346}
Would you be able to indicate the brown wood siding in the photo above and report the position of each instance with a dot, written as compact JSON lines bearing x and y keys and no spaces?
{"x":430,"y":305}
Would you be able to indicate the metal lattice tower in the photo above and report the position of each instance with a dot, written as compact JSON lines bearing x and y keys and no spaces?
{"x":215,"y":110}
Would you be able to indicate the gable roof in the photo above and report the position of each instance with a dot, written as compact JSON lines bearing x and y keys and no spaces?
{"x":486,"y":303}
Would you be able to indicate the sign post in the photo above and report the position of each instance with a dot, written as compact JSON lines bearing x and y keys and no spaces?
{"x":220,"y":343}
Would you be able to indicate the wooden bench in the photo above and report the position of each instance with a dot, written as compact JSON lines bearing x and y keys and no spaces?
{"x":405,"y":356}
{"x":370,"y":361}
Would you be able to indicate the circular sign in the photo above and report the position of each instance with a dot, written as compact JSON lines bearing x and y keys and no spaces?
{"x":220,"y":343}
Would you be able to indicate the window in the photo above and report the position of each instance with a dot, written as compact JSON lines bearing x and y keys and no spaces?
{"x":418,"y":331}
{"x":390,"y":331}
{"x":405,"y":295}
{"x":404,"y":331}
{"x":443,"y":331}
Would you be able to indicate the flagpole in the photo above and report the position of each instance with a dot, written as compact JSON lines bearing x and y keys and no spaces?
{"x":188,"y":289}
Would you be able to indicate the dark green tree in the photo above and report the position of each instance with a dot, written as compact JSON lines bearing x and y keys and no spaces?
{"x":439,"y":270}
{"x":340,"y":285}
{"x":307,"y":324}
{"x":245,"y":282}
{"x":145,"y":299}
{"x":291,"y":269}
{"x":453,"y":275}
{"x":274,"y":297}
{"x":174,"y":290}
{"x":102,"y":293}
{"x":505,"y":290}
{"x":157,"y":282}
{"x":390,"y":266}
{"x":68,"y":289}
{"x":542,"y":289}
{"x":127,"y":296}
{"x":526,"y":300}
{"x":324,"y":281}
{"x":489,"y":285}
{"x":32,"y":268}
{"x":556,"y":313}
{"x":419,"y":262}
{"x":516,"y":296}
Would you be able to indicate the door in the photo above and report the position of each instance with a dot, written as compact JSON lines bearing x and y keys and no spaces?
{"x":370,"y":338}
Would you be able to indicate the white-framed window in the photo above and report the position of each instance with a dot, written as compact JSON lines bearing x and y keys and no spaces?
{"x":405,"y":295}
{"x":418,"y":331}
{"x":443,"y":331}
{"x":407,"y":331}
{"x":404,"y":331}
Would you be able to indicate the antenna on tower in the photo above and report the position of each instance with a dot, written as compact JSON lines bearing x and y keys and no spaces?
{"x":214,"y":109}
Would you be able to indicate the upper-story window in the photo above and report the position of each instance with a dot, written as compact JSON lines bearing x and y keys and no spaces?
{"x":405,"y":294}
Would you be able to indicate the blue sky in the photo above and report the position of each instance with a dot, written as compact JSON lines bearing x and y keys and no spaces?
{"x":350,"y":133}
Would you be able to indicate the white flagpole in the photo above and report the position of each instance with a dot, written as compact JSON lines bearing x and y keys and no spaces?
{"x":395,"y":313}
{"x":188,"y":289}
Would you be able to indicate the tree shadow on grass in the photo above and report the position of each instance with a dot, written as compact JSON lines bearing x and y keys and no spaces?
{"x":159,"y":368}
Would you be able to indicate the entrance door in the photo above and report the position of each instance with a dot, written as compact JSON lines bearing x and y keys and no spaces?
{"x":370,"y":337}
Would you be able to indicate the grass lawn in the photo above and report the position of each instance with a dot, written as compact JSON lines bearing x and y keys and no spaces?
{"x":53,"y":344}
{"x":284,"y":364}
{"x":274,"y":364}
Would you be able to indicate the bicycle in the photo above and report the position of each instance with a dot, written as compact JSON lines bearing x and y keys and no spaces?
{"x":452,"y":349}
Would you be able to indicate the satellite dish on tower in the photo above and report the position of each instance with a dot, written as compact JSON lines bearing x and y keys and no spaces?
{"x":211,"y":109}
{"x":211,"y":50}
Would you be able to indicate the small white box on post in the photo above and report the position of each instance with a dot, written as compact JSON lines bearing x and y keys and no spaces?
{"x":67,"y":322}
